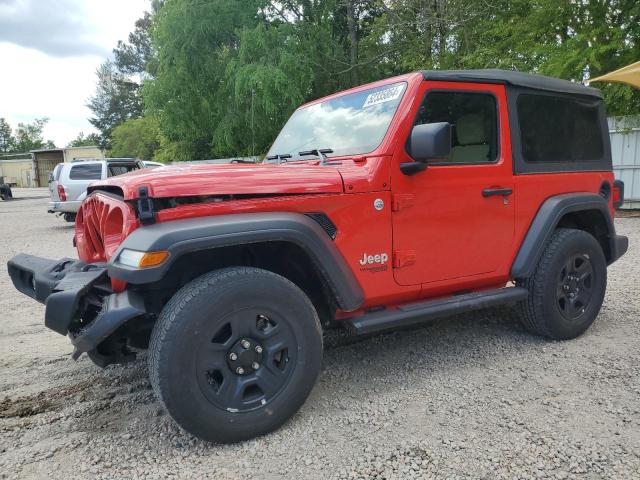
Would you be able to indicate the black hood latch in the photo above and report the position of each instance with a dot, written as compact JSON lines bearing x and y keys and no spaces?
{"x":145,"y":207}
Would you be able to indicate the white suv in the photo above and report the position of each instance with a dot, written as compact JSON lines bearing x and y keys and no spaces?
{"x":68,"y":182}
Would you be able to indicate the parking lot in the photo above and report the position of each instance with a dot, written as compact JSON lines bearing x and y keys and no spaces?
{"x":470,"y":397}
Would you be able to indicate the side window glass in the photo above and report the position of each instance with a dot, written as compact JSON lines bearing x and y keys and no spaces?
{"x":474,"y":119}
{"x":55,"y":174}
{"x":86,"y":172}
{"x":114,"y":170}
{"x":557,"y":129}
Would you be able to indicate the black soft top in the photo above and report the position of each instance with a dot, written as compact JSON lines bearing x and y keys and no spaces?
{"x":518,"y":79}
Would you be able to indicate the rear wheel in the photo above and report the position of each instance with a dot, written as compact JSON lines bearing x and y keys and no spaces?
{"x":70,"y":217}
{"x":235,"y":353}
{"x":567,"y":288}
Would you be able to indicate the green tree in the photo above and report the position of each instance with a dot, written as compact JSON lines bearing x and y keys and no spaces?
{"x":118,"y":95}
{"x":264,"y":83}
{"x":172,"y":151}
{"x":85,"y":141}
{"x":138,"y":138}
{"x":7,"y":142}
{"x":189,"y":96}
{"x":135,"y":57}
{"x":116,"y":100}
{"x":230,"y":73}
{"x":28,"y":136}
{"x":566,"y":39}
{"x":227,"y":74}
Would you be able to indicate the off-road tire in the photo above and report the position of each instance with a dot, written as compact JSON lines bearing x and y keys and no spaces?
{"x":542,"y":312}
{"x":189,"y":325}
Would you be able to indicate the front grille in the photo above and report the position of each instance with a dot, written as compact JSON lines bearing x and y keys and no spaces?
{"x":103,"y":221}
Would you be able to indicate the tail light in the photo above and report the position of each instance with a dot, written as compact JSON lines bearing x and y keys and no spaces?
{"x":61,"y":193}
{"x":618,"y":193}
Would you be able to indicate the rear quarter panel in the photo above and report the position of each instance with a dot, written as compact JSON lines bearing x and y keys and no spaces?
{"x":532,"y":191}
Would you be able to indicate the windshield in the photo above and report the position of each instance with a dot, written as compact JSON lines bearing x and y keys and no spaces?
{"x":351,"y":124}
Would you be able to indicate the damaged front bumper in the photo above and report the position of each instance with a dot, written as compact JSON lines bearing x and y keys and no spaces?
{"x":78,"y":298}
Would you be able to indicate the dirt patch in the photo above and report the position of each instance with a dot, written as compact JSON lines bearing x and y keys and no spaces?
{"x":628,"y":213}
{"x":48,"y":400}
{"x":25,"y":406}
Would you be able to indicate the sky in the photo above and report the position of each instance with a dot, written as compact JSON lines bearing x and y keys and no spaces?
{"x":49,"y":53}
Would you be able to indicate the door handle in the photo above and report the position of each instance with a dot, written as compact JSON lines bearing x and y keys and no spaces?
{"x":490,"y":192}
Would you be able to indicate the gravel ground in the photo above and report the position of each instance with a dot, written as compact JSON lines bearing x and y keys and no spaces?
{"x":469,"y":397}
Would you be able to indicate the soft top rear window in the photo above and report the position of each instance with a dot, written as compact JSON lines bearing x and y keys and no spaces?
{"x":559,"y":129}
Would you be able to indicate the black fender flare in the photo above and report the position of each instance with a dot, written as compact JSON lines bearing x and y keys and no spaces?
{"x":546,"y":221}
{"x":179,"y":237}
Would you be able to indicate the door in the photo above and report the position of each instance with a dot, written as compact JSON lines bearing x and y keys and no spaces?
{"x":455,"y":219}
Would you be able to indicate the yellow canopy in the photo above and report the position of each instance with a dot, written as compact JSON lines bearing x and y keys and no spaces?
{"x":629,"y":75}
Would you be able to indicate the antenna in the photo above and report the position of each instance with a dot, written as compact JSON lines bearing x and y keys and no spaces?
{"x":253,"y":144}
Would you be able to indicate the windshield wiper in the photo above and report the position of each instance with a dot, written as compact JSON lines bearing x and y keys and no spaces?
{"x":279,"y":157}
{"x":318,"y":152}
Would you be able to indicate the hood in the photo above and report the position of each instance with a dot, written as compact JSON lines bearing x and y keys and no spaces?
{"x":227,"y":179}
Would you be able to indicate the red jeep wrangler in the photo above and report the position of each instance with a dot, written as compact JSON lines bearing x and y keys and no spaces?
{"x":378,"y":208}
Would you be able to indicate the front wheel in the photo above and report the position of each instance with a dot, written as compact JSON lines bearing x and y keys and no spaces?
{"x":567,"y":288}
{"x":235,"y":353}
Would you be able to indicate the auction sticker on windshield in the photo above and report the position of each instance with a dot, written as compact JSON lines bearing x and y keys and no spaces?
{"x":382,"y":96}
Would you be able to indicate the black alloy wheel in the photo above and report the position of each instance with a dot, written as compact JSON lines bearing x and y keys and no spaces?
{"x":575,"y":282}
{"x":235,"y":353}
{"x":247,"y":361}
{"x":567,"y":287}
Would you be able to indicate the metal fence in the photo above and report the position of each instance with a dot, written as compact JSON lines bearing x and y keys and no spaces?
{"x":625,"y":151}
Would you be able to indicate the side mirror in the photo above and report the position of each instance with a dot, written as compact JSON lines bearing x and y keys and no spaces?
{"x":427,"y":142}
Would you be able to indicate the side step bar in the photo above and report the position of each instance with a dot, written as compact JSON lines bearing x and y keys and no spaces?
{"x":417,"y":313}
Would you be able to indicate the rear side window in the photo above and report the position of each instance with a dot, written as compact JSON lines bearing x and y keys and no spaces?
{"x":116,"y":169}
{"x":86,"y":172}
{"x":557,"y":129}
{"x":55,"y":175}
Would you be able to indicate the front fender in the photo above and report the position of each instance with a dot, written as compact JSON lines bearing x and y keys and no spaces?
{"x":183,"y":236}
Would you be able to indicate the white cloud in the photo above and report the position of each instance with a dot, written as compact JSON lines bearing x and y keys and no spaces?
{"x":56,"y":28}
{"x":51,"y":71}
